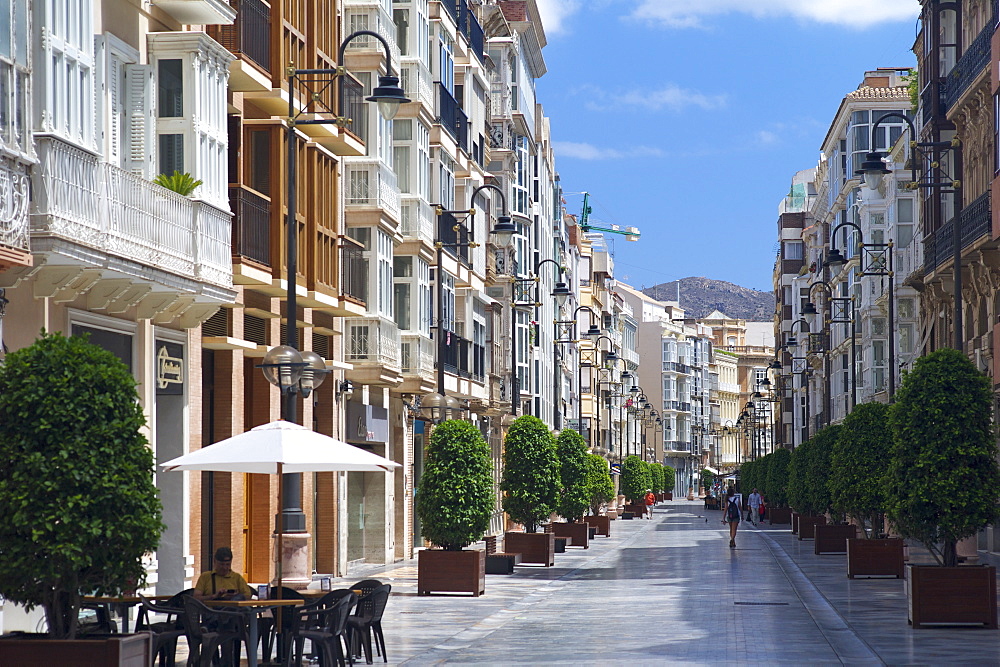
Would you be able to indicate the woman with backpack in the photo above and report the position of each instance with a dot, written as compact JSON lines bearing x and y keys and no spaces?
{"x":733,"y":515}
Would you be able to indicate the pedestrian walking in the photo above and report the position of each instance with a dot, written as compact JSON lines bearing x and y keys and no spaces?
{"x":755,"y":501}
{"x":650,"y":501}
{"x":732,"y":516}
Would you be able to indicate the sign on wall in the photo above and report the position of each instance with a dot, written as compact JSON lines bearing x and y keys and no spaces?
{"x":169,"y":359}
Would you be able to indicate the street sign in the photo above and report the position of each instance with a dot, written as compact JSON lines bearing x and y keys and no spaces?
{"x":616,"y":468}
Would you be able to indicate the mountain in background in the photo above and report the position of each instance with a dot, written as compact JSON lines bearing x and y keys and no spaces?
{"x":700,"y":296}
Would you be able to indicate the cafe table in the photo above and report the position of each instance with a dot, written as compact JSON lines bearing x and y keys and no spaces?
{"x":252,"y":610}
{"x":122,"y":604}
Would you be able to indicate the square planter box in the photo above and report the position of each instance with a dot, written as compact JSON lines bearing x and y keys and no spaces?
{"x":100,"y":651}
{"x":807,"y":526}
{"x":578,"y":531}
{"x":440,"y":571}
{"x":601,"y":523}
{"x":533,"y":547}
{"x":781,"y":515}
{"x":795,"y":523}
{"x":964,"y":595}
{"x":833,"y":539}
{"x":868,"y":558}
{"x":637,"y":510}
{"x":669,"y":495}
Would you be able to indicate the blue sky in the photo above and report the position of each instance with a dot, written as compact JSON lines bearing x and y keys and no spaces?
{"x":688,"y":118}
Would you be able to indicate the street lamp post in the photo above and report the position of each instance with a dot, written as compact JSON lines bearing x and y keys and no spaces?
{"x":284,"y":365}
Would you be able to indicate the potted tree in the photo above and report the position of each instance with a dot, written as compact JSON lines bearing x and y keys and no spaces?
{"x":669,"y":481}
{"x":633,"y":482}
{"x":454,"y":502}
{"x":530,"y":487}
{"x":707,"y":481}
{"x":601,"y":490}
{"x":77,"y":497}
{"x":857,"y":488}
{"x":943,"y":485}
{"x":816,"y":490}
{"x":797,"y":465}
{"x":574,"y":496}
{"x":776,"y":487}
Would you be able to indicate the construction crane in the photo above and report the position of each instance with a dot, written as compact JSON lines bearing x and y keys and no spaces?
{"x":630,"y":233}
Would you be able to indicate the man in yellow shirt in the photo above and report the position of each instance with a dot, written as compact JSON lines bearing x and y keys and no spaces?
{"x":222,"y":583}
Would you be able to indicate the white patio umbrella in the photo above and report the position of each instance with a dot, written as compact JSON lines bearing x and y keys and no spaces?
{"x":280,"y":447}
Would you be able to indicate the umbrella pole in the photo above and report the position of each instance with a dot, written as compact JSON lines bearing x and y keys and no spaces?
{"x":278,"y":527}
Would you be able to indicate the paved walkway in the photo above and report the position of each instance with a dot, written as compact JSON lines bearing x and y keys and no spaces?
{"x":670,"y":591}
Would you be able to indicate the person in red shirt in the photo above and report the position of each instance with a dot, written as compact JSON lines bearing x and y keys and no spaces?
{"x":650,"y":501}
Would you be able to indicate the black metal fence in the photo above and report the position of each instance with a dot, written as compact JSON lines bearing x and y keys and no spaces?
{"x":251,"y":225}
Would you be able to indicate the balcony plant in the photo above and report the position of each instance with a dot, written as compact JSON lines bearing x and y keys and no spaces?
{"x":601,"y":490}
{"x":454,"y":502}
{"x":76,"y":489}
{"x":943,"y":484}
{"x":530,"y":486}
{"x":574,"y":494}
{"x":182,"y":183}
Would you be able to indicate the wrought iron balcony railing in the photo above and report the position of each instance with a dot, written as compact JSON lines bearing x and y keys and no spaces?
{"x":454,"y":241}
{"x":452,"y":118}
{"x":973,"y":62}
{"x":251,"y":225}
{"x":249,"y":35}
{"x":353,"y":271}
{"x":975,"y":221}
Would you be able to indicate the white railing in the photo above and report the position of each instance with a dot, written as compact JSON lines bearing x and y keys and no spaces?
{"x":500,"y":99}
{"x":13,"y":204}
{"x":373,"y":340}
{"x":416,"y":81}
{"x":370,"y":15}
{"x":417,"y":356}
{"x":908,"y":259}
{"x":416,"y":219}
{"x":631,"y":355}
{"x":371,"y":183}
{"x":102,"y":206}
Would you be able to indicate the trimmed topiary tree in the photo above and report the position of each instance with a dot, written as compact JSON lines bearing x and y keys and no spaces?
{"x":634,"y":479}
{"x":857,"y":466}
{"x":574,"y":498}
{"x":669,"y":478}
{"x":943,"y":480}
{"x":776,"y":485}
{"x":707,"y":480}
{"x":77,"y":497}
{"x":657,"y":474}
{"x":600,"y":486}
{"x":817,"y":487}
{"x":531,"y":481}
{"x":798,"y":466}
{"x":455,"y":497}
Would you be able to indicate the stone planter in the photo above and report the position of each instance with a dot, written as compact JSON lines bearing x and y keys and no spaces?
{"x":579,"y":532}
{"x":781,"y":515}
{"x":868,"y":558}
{"x":795,"y":523}
{"x":807,"y":526}
{"x":96,"y":651}
{"x":833,"y":539}
{"x":539,"y":548}
{"x":601,"y":523}
{"x":964,"y":595}
{"x":440,"y":571}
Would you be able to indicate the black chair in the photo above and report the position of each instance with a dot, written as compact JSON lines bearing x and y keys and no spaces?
{"x":366,"y":586}
{"x":101,"y":623}
{"x":167,"y":632}
{"x":367,"y":621}
{"x":205,"y":644}
{"x":269,"y":627}
{"x":326,"y":628}
{"x":303,"y":621}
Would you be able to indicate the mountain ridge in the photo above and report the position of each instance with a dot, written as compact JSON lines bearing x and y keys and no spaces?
{"x":699,"y":296}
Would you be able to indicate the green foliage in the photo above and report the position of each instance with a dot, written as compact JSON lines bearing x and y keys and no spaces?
{"x":657,"y":476}
{"x":669,"y":478}
{"x":574,"y":499}
{"x":599,"y":483}
{"x":77,"y":497}
{"x":857,"y":465}
{"x":707,"y":479}
{"x":798,"y":465}
{"x":183,"y":184}
{"x":634,"y":479}
{"x":455,"y":497}
{"x":943,"y":480}
{"x":776,"y":484}
{"x":913,"y":88}
{"x":531,"y":480}
{"x":817,"y":487}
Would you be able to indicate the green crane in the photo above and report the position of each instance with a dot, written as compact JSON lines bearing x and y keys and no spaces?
{"x":630,"y":233}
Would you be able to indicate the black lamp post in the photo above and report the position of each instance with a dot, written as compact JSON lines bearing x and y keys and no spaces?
{"x":874,"y":168}
{"x":283,"y":365}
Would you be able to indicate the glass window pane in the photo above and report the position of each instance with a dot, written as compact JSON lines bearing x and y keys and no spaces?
{"x":170,"y":79}
{"x":171,"y":153}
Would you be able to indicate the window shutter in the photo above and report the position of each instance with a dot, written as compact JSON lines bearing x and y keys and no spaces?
{"x":142,"y":121}
{"x":115,"y":120}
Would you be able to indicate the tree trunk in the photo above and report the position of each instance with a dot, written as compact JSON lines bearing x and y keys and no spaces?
{"x":950,"y":553}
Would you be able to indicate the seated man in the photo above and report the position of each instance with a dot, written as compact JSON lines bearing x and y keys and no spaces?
{"x":222,"y":583}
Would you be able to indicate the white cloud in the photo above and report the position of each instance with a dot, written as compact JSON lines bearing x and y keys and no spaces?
{"x":766,"y":138}
{"x":851,"y":13}
{"x":670,"y":96}
{"x":584,"y":151}
{"x":555,"y":12}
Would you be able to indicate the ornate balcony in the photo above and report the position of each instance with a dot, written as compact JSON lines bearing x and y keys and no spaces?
{"x":371,"y":344}
{"x":970,"y":66}
{"x":370,"y":15}
{"x":975,"y":220}
{"x":371,"y":184}
{"x":14,"y":246}
{"x":416,"y":220}
{"x":416,"y":80}
{"x":417,"y":361}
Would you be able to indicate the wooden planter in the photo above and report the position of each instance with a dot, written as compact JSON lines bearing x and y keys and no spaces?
{"x":964,"y":595}
{"x":833,"y":539}
{"x":779,"y":515}
{"x":601,"y":523}
{"x":102,"y":651}
{"x":533,"y":547}
{"x":578,"y":531}
{"x":795,"y":523}
{"x":807,"y":526}
{"x":669,"y":495}
{"x":637,"y":509}
{"x":440,"y":571}
{"x":869,"y":558}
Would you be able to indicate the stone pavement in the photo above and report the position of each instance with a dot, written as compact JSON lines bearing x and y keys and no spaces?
{"x":671,"y":591}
